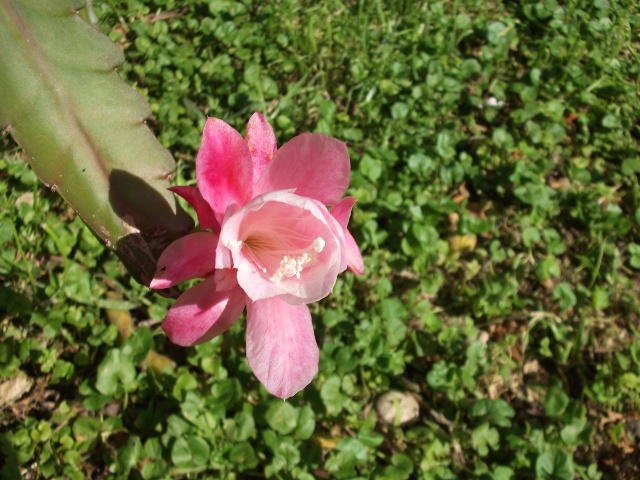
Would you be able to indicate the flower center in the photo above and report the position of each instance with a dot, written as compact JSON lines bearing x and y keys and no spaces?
{"x":293,"y":265}
{"x":279,"y":257}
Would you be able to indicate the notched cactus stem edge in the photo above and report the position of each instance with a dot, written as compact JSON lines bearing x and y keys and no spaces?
{"x":83,"y":129}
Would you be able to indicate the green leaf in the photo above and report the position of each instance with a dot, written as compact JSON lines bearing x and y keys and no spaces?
{"x":200,"y":450}
{"x":549,"y":267}
{"x":402,"y":463}
{"x":62,"y":371}
{"x":399,"y":110}
{"x":570,"y":433}
{"x":371,"y":167}
{"x":634,"y":252}
{"x":498,"y":411}
{"x":128,"y":455}
{"x":185,"y":383}
{"x":483,"y":437}
{"x":77,"y":283}
{"x":470,"y":67}
{"x":83,"y":129}
{"x":115,"y":370}
{"x":306,"y":423}
{"x":444,"y":145}
{"x":556,"y":400}
{"x":630,"y":166}
{"x":439,"y":377}
{"x":227,"y":392}
{"x":496,"y":33}
{"x":245,"y":426}
{"x":530,"y":235}
{"x":565,"y":296}
{"x":354,"y":447}
{"x":555,"y":465}
{"x":244,"y":456}
{"x":181,"y":453}
{"x":503,"y":473}
{"x":393,"y":313}
{"x":138,"y":345}
{"x":610,"y":121}
{"x":350,"y":453}
{"x":331,"y":395}
{"x":282,"y":417}
{"x":600,"y":298}
{"x":86,"y":429}
{"x":153,"y":470}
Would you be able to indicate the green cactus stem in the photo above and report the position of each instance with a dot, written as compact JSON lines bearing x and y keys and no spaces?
{"x":83,"y":129}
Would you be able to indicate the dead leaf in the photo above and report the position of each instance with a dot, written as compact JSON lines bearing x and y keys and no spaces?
{"x":611,"y":417}
{"x":26,"y":197}
{"x":453,"y":221}
{"x":560,"y":184}
{"x":398,"y":408}
{"x":531,"y":367}
{"x":14,"y":388}
{"x":459,"y":243}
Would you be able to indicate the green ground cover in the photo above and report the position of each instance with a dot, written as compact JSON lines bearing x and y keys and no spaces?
{"x":495,"y":154}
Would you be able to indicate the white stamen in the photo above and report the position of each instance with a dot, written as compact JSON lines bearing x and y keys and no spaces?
{"x":294,"y":265}
{"x":318,"y":244}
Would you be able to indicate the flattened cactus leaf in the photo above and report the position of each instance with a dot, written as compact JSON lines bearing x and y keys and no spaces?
{"x":83,"y":129}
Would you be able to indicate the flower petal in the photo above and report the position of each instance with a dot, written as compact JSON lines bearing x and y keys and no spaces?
{"x":354,"y":257}
{"x":191,"y":256}
{"x":281,"y":347}
{"x":202,"y":313}
{"x":283,"y":212}
{"x":206,"y":218}
{"x":261,"y":142}
{"x":226,"y":279}
{"x":223,"y":167}
{"x":316,"y":165}
{"x":342,"y":211}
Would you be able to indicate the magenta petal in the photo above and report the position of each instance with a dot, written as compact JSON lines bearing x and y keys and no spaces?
{"x":261,"y":142}
{"x":223,"y":167}
{"x":281,"y":347}
{"x":342,"y":211}
{"x":201,"y":313}
{"x":191,"y":256}
{"x":315,"y":165}
{"x":354,"y":257}
{"x":206,"y":218}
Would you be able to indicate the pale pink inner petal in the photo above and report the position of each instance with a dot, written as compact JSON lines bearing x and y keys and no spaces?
{"x":284,"y":244}
{"x":223,"y":254}
{"x":281,"y":346}
{"x":354,"y":257}
{"x":261,"y":142}
{"x":226,"y":279}
{"x":315,"y":165}
{"x":191,"y":256}
{"x":201,"y":313}
{"x":342,"y":211}
{"x":282,"y":240}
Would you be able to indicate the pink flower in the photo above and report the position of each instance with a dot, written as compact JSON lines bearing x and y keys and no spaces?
{"x":273,"y":246}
